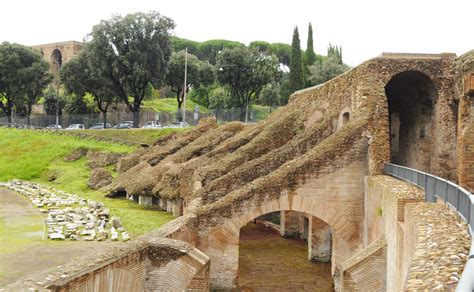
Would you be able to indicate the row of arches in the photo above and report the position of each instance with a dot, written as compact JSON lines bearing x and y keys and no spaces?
{"x":55,"y":60}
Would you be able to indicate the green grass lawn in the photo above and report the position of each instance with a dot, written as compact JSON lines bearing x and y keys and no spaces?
{"x":260,"y":111}
{"x":32,"y":156}
{"x":147,"y":136}
{"x":170,"y":105}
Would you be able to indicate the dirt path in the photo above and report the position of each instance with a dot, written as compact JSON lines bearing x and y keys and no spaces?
{"x":22,"y":248}
{"x":269,"y":262}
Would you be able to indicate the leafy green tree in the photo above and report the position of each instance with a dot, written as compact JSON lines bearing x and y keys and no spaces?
{"x":270,"y":95}
{"x":283,"y":52}
{"x":245,"y":72}
{"x":82,"y":76}
{"x":75,"y":105}
{"x":326,"y":70}
{"x":152,"y":93}
{"x":262,"y":46}
{"x":39,"y":80}
{"x":198,"y":73}
{"x":54,"y":101}
{"x":285,"y":88}
{"x":296,"y":64}
{"x":133,"y":51}
{"x":23,"y":76}
{"x":335,"y":52}
{"x":180,"y":44}
{"x":200,"y":95}
{"x":209,"y":50}
{"x":309,"y":55}
{"x":219,"y":97}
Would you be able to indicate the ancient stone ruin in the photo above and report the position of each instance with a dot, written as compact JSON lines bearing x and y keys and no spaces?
{"x":319,"y":162}
{"x":69,"y":216}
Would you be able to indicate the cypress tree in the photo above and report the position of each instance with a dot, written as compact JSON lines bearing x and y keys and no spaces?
{"x":309,"y":55}
{"x":296,"y":81}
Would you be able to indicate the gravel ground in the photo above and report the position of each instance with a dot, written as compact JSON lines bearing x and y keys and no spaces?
{"x":269,"y":262}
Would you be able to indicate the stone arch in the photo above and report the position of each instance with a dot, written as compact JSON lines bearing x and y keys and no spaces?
{"x":411,"y":96}
{"x":344,"y":117}
{"x":221,"y":243}
{"x":56,"y":60}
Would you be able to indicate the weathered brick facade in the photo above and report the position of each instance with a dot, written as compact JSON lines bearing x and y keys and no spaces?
{"x":57,"y":54}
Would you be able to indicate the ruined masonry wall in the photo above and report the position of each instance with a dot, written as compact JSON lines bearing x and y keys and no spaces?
{"x":439,"y":247}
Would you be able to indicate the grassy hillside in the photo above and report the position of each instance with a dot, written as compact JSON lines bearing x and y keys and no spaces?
{"x":147,"y":136}
{"x":170,"y":105}
{"x":34,"y":156}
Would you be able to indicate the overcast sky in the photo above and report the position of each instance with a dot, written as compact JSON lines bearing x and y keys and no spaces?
{"x":364,"y":28}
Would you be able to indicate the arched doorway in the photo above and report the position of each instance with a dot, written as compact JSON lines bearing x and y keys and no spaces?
{"x":411,"y":96}
{"x":56,"y":60}
{"x":221,"y":242}
{"x":286,"y":251}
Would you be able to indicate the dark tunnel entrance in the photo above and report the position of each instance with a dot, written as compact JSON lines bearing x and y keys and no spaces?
{"x":411,"y":97}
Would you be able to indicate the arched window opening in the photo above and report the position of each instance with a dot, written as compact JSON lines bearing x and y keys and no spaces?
{"x":345,"y":118}
{"x":56,"y":60}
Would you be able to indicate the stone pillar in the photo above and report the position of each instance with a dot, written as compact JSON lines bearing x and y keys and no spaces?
{"x":162,"y":204}
{"x":319,"y":240}
{"x":177,"y":207}
{"x":145,"y":200}
{"x":169,"y":206}
{"x":290,"y":223}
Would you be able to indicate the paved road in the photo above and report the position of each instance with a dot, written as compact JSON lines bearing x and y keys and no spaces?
{"x":269,"y":262}
{"x":22,"y":248}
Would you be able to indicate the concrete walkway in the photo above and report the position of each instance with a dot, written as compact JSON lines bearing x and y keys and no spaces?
{"x":269,"y":262}
{"x":22,"y":248}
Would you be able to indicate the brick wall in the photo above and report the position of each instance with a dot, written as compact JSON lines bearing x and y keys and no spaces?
{"x":365,"y":271}
{"x":148,"y":264}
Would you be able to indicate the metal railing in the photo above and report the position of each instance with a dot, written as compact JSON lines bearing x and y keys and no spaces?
{"x":455,"y":196}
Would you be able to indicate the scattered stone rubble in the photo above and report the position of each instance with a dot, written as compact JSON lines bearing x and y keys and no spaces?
{"x":69,"y":216}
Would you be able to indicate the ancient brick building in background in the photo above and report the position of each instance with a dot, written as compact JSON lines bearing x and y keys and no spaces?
{"x":57,"y":54}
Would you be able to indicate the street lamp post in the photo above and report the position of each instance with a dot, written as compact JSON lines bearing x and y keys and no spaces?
{"x":57,"y":105}
{"x":185,"y":83}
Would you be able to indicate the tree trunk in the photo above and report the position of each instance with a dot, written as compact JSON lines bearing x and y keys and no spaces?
{"x":9,"y":117}
{"x":105,"y":119}
{"x":180,"y":99}
{"x":136,"y":118}
{"x":29,"y":109}
{"x":242,"y":113}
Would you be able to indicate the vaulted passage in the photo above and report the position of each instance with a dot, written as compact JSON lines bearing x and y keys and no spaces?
{"x":56,"y":60}
{"x":411,"y":97}
{"x":269,"y":261}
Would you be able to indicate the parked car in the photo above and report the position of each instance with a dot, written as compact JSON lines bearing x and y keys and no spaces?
{"x":124,"y":125}
{"x":152,"y":125}
{"x":54,"y":127}
{"x":75,"y":127}
{"x":177,"y":125}
{"x":99,"y":126}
